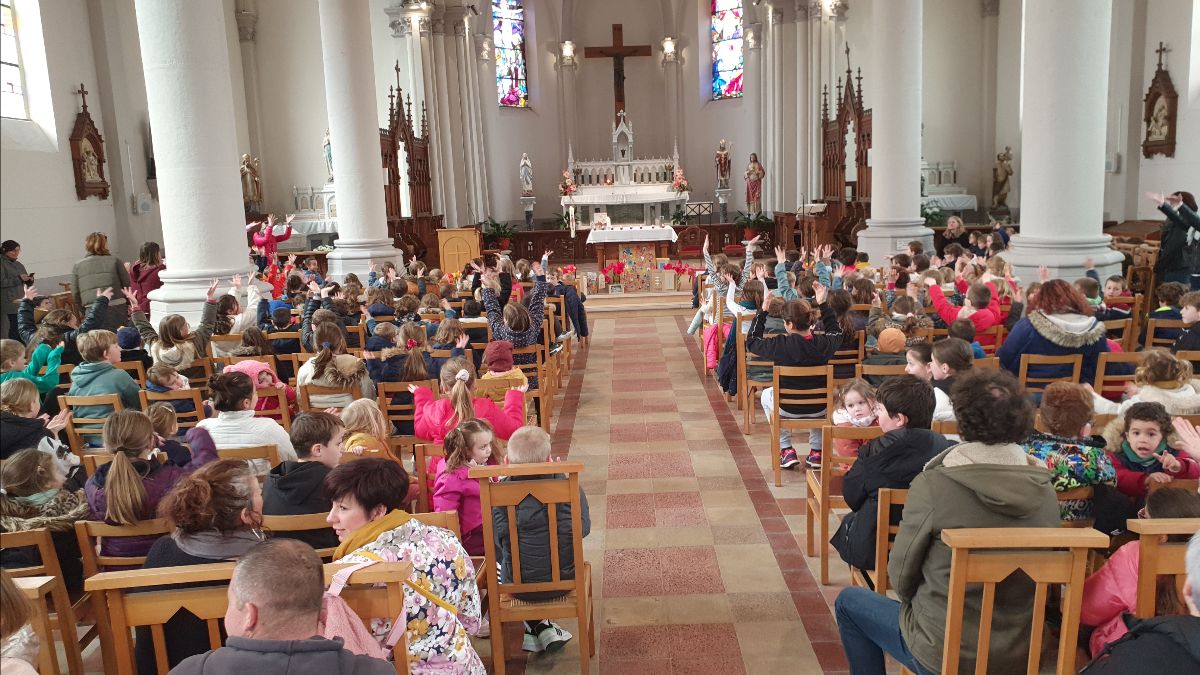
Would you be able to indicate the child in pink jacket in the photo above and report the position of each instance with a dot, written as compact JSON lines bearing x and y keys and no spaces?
{"x":467,"y":445}
{"x":262,"y":376}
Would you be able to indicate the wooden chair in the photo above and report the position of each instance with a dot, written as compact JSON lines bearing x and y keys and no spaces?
{"x":131,"y":600}
{"x":825,"y":486}
{"x":504,"y":607}
{"x":267,"y":453}
{"x":1191,"y":356}
{"x":1077,"y":493}
{"x":95,"y":460}
{"x":863,"y":370}
{"x":848,"y":356}
{"x":308,"y":522}
{"x":886,"y":528}
{"x":989,"y":556}
{"x":1032,"y":384}
{"x":543,"y":394}
{"x":1159,"y":555}
{"x":1114,"y":383}
{"x":748,"y":389}
{"x":1154,"y":325}
{"x":39,"y":591}
{"x":822,"y":396}
{"x":932,"y":334}
{"x":305,"y":392}
{"x":1135,"y":304}
{"x":281,"y":413}
{"x":1121,"y":331}
{"x":945,"y":427}
{"x":358,"y":331}
{"x":998,"y":333}
{"x":401,"y":412}
{"x":65,"y":615}
{"x":269,"y":359}
{"x":136,"y":370}
{"x":988,"y":362}
{"x":468,"y":354}
{"x":187,"y":420}
{"x":294,"y":360}
{"x":422,"y":453}
{"x":200,"y":382}
{"x":79,"y":428}
{"x":224,"y":344}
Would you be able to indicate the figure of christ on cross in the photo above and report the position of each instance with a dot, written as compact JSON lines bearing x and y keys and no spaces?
{"x":617,"y":51}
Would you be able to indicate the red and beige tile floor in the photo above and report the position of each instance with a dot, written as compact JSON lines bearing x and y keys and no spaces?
{"x":698,"y":561}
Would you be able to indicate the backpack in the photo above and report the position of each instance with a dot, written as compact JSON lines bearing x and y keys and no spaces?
{"x":338,"y":620}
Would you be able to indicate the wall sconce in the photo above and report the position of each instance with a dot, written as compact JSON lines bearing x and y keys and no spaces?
{"x":566,"y":51}
{"x":668,"y":47}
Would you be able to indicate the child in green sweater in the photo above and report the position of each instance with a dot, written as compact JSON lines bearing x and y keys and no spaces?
{"x":13,"y":364}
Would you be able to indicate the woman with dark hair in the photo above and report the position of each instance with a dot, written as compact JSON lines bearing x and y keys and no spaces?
{"x":13,"y":280}
{"x":1179,"y":256}
{"x":100,"y":270}
{"x":442,"y":603}
{"x":143,"y":274}
{"x":234,"y":396}
{"x":1059,"y":323}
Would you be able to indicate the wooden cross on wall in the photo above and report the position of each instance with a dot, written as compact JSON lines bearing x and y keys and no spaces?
{"x":617,"y":51}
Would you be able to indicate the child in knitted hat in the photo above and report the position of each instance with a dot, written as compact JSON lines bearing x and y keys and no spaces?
{"x":498,"y":358}
{"x":130,"y":342}
{"x":889,"y":351}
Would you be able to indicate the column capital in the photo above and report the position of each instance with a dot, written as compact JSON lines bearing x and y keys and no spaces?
{"x":838,"y":9}
{"x":754,"y":35}
{"x":991,"y":7}
{"x":424,"y":25}
{"x":437,"y":24}
{"x":774,"y":16}
{"x":247,"y":24}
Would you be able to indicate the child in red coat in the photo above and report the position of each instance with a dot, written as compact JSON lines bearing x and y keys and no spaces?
{"x":1141,"y":454}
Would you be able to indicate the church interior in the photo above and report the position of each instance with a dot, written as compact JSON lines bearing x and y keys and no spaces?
{"x":844,"y":336}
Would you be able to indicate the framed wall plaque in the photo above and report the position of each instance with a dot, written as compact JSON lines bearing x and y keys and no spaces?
{"x":1159,"y":116}
{"x":87,"y":154}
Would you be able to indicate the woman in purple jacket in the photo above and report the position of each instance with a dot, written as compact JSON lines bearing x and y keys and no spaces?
{"x":128,"y":489}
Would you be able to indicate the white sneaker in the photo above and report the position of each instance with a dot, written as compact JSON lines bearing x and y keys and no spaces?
{"x":552,"y":637}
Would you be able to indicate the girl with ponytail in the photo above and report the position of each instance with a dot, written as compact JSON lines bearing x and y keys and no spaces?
{"x":407,"y":361}
{"x":129,"y":488}
{"x":334,"y":367}
{"x":469,"y":444}
{"x":433,"y":419}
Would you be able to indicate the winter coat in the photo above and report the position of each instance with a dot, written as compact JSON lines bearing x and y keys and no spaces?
{"x":143,"y":278}
{"x":531,"y":336}
{"x":968,"y":485}
{"x":1182,"y":400}
{"x":241,"y":429}
{"x":533,"y":540}
{"x":1165,"y":314}
{"x":1131,"y":478}
{"x":1054,"y":335}
{"x":96,"y":273}
{"x":296,"y":488}
{"x":181,"y":357}
{"x":12,"y":288}
{"x":345,"y":370}
{"x":882,"y":359}
{"x":43,"y":356}
{"x":983,"y":318}
{"x":1075,"y":463}
{"x":255,"y":368}
{"x":20,"y":433}
{"x":94,"y":378}
{"x":1164,"y":644}
{"x":890,"y":461}
{"x":573,"y":307}
{"x":797,"y":350}
{"x":1172,"y":256}
{"x":311,"y":656}
{"x":1108,"y":594}
{"x":432,"y":418}
{"x":58,"y":515}
{"x":389,"y":367}
{"x":157,"y":479}
{"x":92,"y":319}
{"x":454,"y":491}
{"x":516,"y":378}
{"x":1188,"y":340}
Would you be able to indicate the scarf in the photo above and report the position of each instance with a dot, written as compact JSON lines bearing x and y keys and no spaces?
{"x":38,"y":500}
{"x":1132,"y":457}
{"x":369,"y":533}
{"x":216,"y":545}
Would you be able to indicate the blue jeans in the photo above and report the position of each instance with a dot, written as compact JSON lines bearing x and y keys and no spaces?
{"x":869,"y":625}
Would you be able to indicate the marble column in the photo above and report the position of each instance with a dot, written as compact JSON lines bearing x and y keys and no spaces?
{"x":437,"y":167}
{"x":670,"y":64}
{"x":754,"y":68}
{"x":474,"y":152}
{"x":896,"y":131}
{"x":246,"y":15}
{"x":190,"y":102}
{"x":987,"y":99}
{"x":803,"y":107}
{"x":354,"y":137}
{"x":441,"y":110}
{"x":568,"y":72}
{"x":1064,"y":113}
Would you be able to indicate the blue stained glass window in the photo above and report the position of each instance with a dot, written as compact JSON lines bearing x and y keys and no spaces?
{"x":508,"y":36}
{"x":727,"y":61}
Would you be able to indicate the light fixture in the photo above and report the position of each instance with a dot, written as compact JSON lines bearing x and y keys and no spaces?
{"x":668,"y":45}
{"x":566,"y":50}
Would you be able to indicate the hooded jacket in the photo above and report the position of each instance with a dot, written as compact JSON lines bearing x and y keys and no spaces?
{"x":431,"y":418}
{"x":253,"y":369}
{"x":20,"y":433}
{"x":1054,"y":335}
{"x":1164,"y":644}
{"x":968,"y":485}
{"x":93,"y":318}
{"x":982,"y":318}
{"x":1182,"y":400}
{"x":312,"y":656}
{"x":241,"y":429}
{"x":293,"y":489}
{"x":346,"y":370}
{"x":94,"y":378}
{"x":533,"y":539}
{"x":890,"y":461}
{"x":144,"y":278}
{"x":455,"y":491}
{"x":180,"y":356}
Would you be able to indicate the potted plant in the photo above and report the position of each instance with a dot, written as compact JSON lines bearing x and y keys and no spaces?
{"x":934,"y":216}
{"x":752,"y":225}
{"x":562,"y":222}
{"x":679,"y":218}
{"x":498,"y":235}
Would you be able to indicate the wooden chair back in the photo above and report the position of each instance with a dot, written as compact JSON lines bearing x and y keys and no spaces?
{"x":825,"y":485}
{"x":267,"y":453}
{"x":848,"y":355}
{"x":468,"y":354}
{"x":886,"y":529}
{"x":1071,"y":495}
{"x":748,"y":389}
{"x":1136,"y":304}
{"x":1031,"y":384}
{"x":997,"y":333}
{"x":945,"y":427}
{"x":932,"y":334}
{"x":90,"y":533}
{"x":401,"y":412}
{"x":200,"y":382}
{"x":95,"y":460}
{"x":422,"y":453}
{"x":863,"y":370}
{"x":308,"y":522}
{"x":1162,"y":543}
{"x":1121,"y":331}
{"x":552,"y":491}
{"x":281,"y":413}
{"x":65,"y":614}
{"x":1108,"y":384}
{"x":988,"y":362}
{"x":223,"y":344}
{"x":187,"y":420}
{"x":268,"y":359}
{"x":1155,"y":325}
{"x":358,"y":331}
{"x":80,"y":429}
{"x":989,"y":556}
{"x":544,"y":392}
{"x":305,"y":392}
{"x":822,"y":396}
{"x":135,"y":598}
{"x":1191,"y":356}
{"x":136,"y":370}
{"x":447,"y":520}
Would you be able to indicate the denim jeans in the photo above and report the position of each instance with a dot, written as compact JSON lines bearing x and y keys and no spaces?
{"x":869,"y":625}
{"x":785,"y":436}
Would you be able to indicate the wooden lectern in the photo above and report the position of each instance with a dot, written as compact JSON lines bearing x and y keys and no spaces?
{"x":456,"y":247}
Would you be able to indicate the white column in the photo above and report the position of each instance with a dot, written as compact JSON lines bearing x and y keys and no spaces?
{"x":568,"y":70}
{"x":476,"y":155}
{"x":429,"y":103}
{"x":754,"y":68}
{"x":246,"y":15}
{"x":1064,"y":112}
{"x":816,"y":80}
{"x":803,"y":107}
{"x":670,"y":63}
{"x":190,"y":102}
{"x":439,"y":109}
{"x":353,"y":137}
{"x":987,"y":100}
{"x":896,"y":131}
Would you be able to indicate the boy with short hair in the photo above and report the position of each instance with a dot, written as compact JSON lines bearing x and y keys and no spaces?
{"x":915,"y":248}
{"x":965,"y":331}
{"x":97,"y":375}
{"x":162,"y":378}
{"x":1169,"y":296}
{"x":1189,"y":311}
{"x":297,"y":488}
{"x":531,"y":445}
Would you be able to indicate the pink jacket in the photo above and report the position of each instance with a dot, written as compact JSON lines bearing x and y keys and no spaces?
{"x":1108,"y":594}
{"x":254,"y":369}
{"x":431,"y":418}
{"x":269,"y":241}
{"x":453,"y":491}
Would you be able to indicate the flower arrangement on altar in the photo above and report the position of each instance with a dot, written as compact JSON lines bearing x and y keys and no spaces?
{"x":567,"y":187}
{"x":566,"y":269}
{"x":613,"y":271}
{"x":680,"y":268}
{"x":680,"y":183}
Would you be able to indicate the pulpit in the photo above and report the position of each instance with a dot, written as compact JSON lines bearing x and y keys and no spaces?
{"x":457,"y":247}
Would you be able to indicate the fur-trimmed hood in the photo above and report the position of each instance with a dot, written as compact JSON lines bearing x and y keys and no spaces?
{"x":1067,"y":330}
{"x":347,"y":371}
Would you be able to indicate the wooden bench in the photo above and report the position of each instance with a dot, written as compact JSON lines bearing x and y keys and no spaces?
{"x":825,"y":486}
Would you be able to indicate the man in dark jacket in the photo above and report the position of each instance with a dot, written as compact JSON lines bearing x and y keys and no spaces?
{"x":297,"y":488}
{"x":272,"y":620}
{"x":904,"y":407}
{"x":531,"y":445}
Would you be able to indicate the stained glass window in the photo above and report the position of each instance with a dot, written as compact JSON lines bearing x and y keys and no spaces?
{"x":508,"y":36}
{"x":12,"y":82}
{"x":727,"y":60}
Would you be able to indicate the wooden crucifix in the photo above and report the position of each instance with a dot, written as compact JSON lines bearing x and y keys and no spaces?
{"x":617,"y":51}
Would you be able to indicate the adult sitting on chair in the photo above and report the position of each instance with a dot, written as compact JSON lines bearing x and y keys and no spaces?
{"x":986,"y":481}
{"x":272,"y":620}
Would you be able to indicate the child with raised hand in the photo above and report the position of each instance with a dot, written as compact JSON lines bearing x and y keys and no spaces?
{"x":435,"y":419}
{"x":981,"y":305}
{"x":514,"y":322}
{"x":1138,"y":445}
{"x":175,"y":343}
{"x":467,"y":445}
{"x":854,"y":406}
{"x":60,"y":326}
{"x":14,"y":365}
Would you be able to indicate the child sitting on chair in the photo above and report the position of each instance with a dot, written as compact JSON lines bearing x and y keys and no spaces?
{"x":263,"y":378}
{"x":1139,"y":448}
{"x":854,"y":406}
{"x":498,"y":358}
{"x":467,"y":445}
{"x":162,"y":378}
{"x":531,"y":445}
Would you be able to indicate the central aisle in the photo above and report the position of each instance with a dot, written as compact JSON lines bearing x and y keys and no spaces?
{"x":698,"y":566}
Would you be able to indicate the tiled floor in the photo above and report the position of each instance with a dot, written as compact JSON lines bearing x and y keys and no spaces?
{"x":698,"y":560}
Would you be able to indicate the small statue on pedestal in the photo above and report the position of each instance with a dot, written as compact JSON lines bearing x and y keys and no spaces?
{"x":525,"y":172}
{"x":724,"y":165}
{"x":328,"y":152}
{"x":251,"y":183}
{"x":754,"y":177}
{"x":1001,"y":173}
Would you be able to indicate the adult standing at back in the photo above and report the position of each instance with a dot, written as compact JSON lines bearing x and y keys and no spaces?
{"x":13,"y":279}
{"x":98,"y":270}
{"x":1180,"y":238}
{"x":143,"y":274}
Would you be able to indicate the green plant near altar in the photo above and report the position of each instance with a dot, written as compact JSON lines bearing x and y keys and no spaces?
{"x":497,"y":235}
{"x":679,"y":218}
{"x":933,"y":215}
{"x":752,"y":225}
{"x":562,"y":222}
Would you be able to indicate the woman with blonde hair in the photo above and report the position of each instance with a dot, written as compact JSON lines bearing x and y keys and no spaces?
{"x":175,"y":343}
{"x":97,"y":271}
{"x":128,"y":489}
{"x":434,"y":419}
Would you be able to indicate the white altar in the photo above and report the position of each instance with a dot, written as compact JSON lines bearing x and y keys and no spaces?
{"x":942,"y":189}
{"x":634,"y":233}
{"x":315,"y":209}
{"x":631,"y":191}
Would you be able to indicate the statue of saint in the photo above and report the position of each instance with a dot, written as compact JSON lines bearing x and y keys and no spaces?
{"x":1001,"y":173}
{"x":526,"y":174}
{"x":328,"y":157}
{"x":754,"y":177}
{"x":251,"y":184}
{"x":1160,"y":125}
{"x":91,"y":163}
{"x":724,"y":165}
